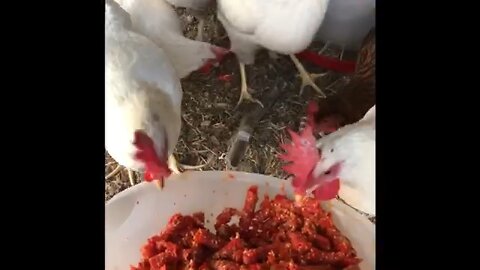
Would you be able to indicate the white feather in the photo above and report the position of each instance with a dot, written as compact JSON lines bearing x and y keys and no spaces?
{"x":198,"y":5}
{"x":283,"y":26}
{"x":354,"y":145}
{"x":142,"y":91}
{"x":158,"y":21}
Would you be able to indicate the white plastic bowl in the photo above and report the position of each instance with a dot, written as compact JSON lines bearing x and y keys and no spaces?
{"x":135,"y":214}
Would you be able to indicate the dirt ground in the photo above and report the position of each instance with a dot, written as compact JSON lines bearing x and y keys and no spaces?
{"x":210,"y":119}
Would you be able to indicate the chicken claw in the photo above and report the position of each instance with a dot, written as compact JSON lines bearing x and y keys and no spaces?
{"x":244,"y":94}
{"x":307,"y":79}
{"x":175,"y":166}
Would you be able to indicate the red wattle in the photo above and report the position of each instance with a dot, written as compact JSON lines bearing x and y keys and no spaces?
{"x":327,"y":191}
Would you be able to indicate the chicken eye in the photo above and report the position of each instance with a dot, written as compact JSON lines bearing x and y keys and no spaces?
{"x":331,"y":150}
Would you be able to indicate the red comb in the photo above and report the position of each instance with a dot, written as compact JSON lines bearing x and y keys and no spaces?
{"x":303,"y":155}
{"x":327,"y":191}
{"x":154,"y":167}
{"x":329,"y":63}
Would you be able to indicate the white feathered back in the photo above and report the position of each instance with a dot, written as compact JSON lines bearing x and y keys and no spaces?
{"x":284,"y":26}
{"x":354,"y":146}
{"x":158,"y":21}
{"x":142,"y":92}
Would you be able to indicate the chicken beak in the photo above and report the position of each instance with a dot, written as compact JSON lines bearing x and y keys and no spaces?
{"x":298,"y":199}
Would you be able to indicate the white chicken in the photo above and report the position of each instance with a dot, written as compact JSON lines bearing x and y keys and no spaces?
{"x":346,"y":23}
{"x":283,"y":26}
{"x":198,"y":8}
{"x":157,"y":20}
{"x":341,"y":163}
{"x":349,"y":156}
{"x":142,"y":99}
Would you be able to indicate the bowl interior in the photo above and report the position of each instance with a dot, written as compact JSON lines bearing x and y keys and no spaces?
{"x":135,"y":214}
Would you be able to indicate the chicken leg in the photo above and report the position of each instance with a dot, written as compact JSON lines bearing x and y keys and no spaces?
{"x":244,"y":94}
{"x":307,"y":79}
{"x":130,"y":177}
{"x":117,"y":170}
{"x":341,"y":53}
{"x":201,"y":23}
{"x":324,"y":48}
{"x":114,"y":172}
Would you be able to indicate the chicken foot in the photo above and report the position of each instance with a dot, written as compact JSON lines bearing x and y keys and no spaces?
{"x":307,"y":79}
{"x":175,"y":166}
{"x":244,"y":94}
